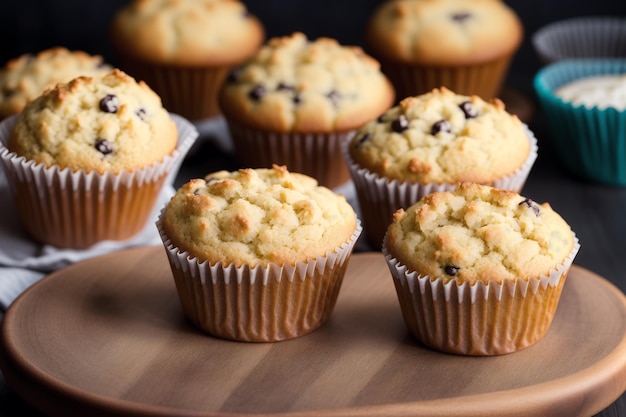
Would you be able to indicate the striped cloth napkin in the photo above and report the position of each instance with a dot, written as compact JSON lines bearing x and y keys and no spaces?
{"x":23,"y":262}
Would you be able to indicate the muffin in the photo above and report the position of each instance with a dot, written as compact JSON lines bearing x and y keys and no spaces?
{"x":464,"y":45}
{"x":258,"y":255}
{"x":584,"y":105}
{"x":297,"y":100}
{"x":479,"y":270}
{"x":184,"y":49}
{"x":581,"y":37}
{"x":25,"y":78}
{"x":87,"y":160}
{"x":432,"y":142}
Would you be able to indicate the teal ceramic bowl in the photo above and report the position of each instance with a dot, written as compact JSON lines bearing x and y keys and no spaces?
{"x":591,"y":142}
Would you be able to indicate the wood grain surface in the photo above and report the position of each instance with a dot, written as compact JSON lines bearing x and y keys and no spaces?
{"x":107,"y":337}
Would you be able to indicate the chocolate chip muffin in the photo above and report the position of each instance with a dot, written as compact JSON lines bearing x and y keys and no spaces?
{"x":479,"y":270}
{"x":432,"y":142}
{"x":299,"y":97}
{"x":264,"y":248}
{"x":26,"y":77}
{"x":88,"y":159}
{"x":255,"y":217}
{"x":443,"y":137}
{"x":106,"y":124}
{"x":184,"y":49}
{"x":465,"y":45}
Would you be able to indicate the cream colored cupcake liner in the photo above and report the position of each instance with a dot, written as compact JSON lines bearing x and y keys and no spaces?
{"x":188,"y":91}
{"x":380,"y":197}
{"x":480,"y":319}
{"x":259,"y":304}
{"x":315,"y":154}
{"x":70,"y":209}
{"x":482,"y":79}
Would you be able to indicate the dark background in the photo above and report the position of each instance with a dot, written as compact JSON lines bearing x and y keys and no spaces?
{"x":594,"y":211}
{"x":33,"y":25}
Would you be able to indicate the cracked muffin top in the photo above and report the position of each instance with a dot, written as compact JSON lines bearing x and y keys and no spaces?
{"x":104,"y":124}
{"x":187,"y":32}
{"x":293,"y":84}
{"x":442,"y":137}
{"x":256,"y":217}
{"x":443,"y":32}
{"x":26,"y":77}
{"x":477,"y":232}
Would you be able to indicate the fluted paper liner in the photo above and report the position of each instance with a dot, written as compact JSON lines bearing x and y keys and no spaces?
{"x":380,"y":197}
{"x":480,"y":319}
{"x":581,"y":37}
{"x":317,"y":155}
{"x":590,"y":142}
{"x":188,"y":91}
{"x":259,"y":304}
{"x":483,"y":79}
{"x":75,"y":209}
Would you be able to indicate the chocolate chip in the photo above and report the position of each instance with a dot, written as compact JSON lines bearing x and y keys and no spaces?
{"x":441,"y":126}
{"x":461,"y":17}
{"x":381,"y":118}
{"x":257,"y":92}
{"x":364,"y":138}
{"x":334,"y":96}
{"x":104,"y":146}
{"x":296,"y":99}
{"x":8,"y":92}
{"x":287,"y":87}
{"x":109,"y":104}
{"x":141,"y":113}
{"x":400,"y":124}
{"x":531,"y":205}
{"x":469,"y":110}
{"x":451,"y":270}
{"x":233,"y":75}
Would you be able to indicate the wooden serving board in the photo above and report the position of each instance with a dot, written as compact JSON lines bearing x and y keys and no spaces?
{"x":107,"y":337}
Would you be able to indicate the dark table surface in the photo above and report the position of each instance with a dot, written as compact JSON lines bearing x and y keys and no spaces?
{"x":597,"y":214}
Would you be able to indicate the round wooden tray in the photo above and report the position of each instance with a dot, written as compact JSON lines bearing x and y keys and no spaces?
{"x":107,"y":337}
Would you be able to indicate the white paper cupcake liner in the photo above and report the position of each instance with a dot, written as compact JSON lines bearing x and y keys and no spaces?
{"x":380,"y":197}
{"x":78,"y":209}
{"x":481,"y":319}
{"x":259,"y":304}
{"x":581,"y":37}
{"x":317,"y":155}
